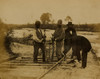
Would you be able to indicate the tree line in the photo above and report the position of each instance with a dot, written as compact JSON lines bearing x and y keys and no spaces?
{"x":49,"y":23}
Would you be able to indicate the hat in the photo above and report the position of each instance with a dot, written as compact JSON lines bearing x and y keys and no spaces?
{"x":69,"y":23}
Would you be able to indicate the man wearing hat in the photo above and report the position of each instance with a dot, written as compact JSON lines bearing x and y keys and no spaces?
{"x":38,"y":41}
{"x":78,"y":43}
{"x":59,"y":36}
{"x":70,"y":33}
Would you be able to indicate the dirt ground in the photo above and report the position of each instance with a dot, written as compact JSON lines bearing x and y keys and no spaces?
{"x":63,"y":71}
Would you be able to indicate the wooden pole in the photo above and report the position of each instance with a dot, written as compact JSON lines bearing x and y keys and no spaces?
{"x":51,"y":68}
{"x":52,"y":50}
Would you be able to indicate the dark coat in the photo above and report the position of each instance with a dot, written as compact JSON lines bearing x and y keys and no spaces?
{"x":81,"y":43}
{"x":68,"y":35}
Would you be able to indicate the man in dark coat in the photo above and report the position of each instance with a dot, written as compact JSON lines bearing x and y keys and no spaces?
{"x":70,"y":33}
{"x":77,"y":43}
{"x":81,"y":43}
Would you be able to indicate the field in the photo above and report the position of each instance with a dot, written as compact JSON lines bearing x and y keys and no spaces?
{"x":24,"y":68}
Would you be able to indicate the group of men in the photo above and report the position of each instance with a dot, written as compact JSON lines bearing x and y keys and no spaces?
{"x":70,"y":39}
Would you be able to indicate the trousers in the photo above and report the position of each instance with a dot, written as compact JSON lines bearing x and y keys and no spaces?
{"x":59,"y":45}
{"x":36,"y":50}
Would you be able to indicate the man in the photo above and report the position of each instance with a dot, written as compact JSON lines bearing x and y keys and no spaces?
{"x":81,"y":43}
{"x":77,"y":43}
{"x":38,"y":41}
{"x":70,"y":33}
{"x":59,"y":36}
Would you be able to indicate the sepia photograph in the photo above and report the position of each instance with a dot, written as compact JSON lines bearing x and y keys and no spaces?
{"x":49,"y":39}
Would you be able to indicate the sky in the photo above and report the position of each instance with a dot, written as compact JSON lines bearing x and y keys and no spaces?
{"x":28,"y":11}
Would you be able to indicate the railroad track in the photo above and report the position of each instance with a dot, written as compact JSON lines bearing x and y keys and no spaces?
{"x":51,"y":65}
{"x":92,"y":51}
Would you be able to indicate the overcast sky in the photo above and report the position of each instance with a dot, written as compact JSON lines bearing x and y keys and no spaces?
{"x":28,"y":11}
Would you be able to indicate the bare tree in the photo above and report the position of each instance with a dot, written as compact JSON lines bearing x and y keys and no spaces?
{"x":46,"y":18}
{"x":68,"y":18}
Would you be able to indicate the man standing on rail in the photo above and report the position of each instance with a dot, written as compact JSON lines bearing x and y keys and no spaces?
{"x":38,"y":41}
{"x":70,"y":33}
{"x":59,"y":36}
